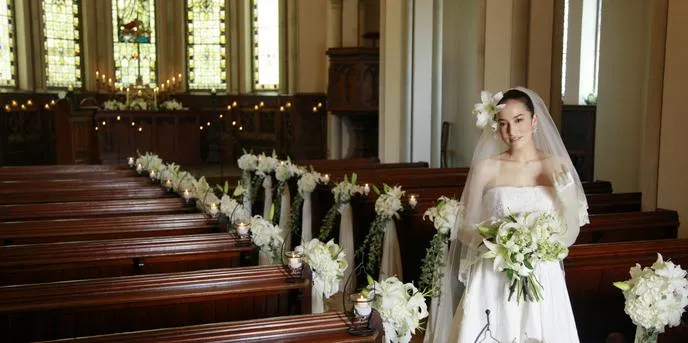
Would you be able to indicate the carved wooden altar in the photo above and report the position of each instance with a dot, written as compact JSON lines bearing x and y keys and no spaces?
{"x":353,"y":92}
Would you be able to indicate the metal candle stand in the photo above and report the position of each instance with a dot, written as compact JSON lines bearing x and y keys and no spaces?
{"x":293,"y":266}
{"x":485,"y":331}
{"x":362,"y":312}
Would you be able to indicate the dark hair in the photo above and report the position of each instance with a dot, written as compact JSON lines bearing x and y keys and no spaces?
{"x":515,"y":94}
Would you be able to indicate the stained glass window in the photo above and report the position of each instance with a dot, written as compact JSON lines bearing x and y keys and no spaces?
{"x":206,"y":44}
{"x":266,"y":47}
{"x":62,"y":43}
{"x":7,"y":69}
{"x":134,"y":40}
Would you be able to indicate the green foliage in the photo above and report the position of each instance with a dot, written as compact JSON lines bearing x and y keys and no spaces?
{"x":373,"y":244}
{"x":431,"y":265}
{"x":328,"y":222}
{"x":277,"y":203}
{"x":295,"y":215}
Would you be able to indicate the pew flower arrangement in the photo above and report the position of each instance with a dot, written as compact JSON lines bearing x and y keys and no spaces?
{"x":387,"y":207}
{"x":517,"y":244}
{"x":306,"y":184}
{"x":656,"y":297}
{"x":248,"y":163}
{"x":328,"y":263}
{"x":232,"y":209}
{"x":443,"y":216}
{"x":401,"y":306}
{"x":266,"y":164}
{"x":267,"y":236}
{"x":172,"y":105}
{"x":486,"y":110}
{"x":284,"y":171}
{"x":343,"y":192}
{"x":114,"y":105}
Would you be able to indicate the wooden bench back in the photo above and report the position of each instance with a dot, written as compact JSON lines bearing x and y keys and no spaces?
{"x":92,"y":307}
{"x":48,"y":262}
{"x":591,"y":270}
{"x":88,"y":229}
{"x":63,"y":210}
{"x":330,"y":327}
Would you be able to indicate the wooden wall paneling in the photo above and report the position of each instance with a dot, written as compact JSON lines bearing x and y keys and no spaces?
{"x":578,"y":134}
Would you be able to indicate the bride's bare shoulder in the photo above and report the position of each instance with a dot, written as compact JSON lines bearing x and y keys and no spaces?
{"x":487,"y":165}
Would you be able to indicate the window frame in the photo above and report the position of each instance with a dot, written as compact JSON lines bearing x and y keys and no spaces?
{"x":12,"y":10}
{"x":43,"y":49}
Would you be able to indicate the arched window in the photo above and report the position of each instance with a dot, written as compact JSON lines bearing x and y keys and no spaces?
{"x":206,"y":44}
{"x":62,"y":43}
{"x":8,"y":76}
{"x":134,"y":40}
{"x":266,"y":44}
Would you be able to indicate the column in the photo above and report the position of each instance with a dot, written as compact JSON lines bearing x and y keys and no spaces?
{"x":334,"y":40}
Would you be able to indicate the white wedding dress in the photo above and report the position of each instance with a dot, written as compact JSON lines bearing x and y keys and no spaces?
{"x":548,"y":321}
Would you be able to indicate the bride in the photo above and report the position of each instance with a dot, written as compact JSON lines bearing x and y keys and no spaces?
{"x":519,"y":165}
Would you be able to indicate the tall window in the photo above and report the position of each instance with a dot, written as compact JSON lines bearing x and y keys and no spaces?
{"x":62,"y":43}
{"x":206,"y":44}
{"x":8,"y":78}
{"x":134,"y":42}
{"x":581,"y":53}
{"x":565,"y":47}
{"x":266,"y":37}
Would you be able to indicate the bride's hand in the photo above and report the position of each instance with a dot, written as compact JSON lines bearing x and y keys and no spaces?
{"x":562,"y":179}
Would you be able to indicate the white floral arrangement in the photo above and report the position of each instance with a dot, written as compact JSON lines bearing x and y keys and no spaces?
{"x":286,"y":170}
{"x":401,"y":307}
{"x":266,"y":164}
{"x":388,"y":204}
{"x":171,"y":105}
{"x":232,"y":209}
{"x":517,"y":244}
{"x":343,"y":192}
{"x":328,"y":263}
{"x":387,"y":207}
{"x":149,"y":162}
{"x":308,"y":181}
{"x":486,"y":111}
{"x":169,"y":172}
{"x":248,"y":162}
{"x":138,"y":104}
{"x":187,"y":183}
{"x":346,"y":189}
{"x":443,"y":216}
{"x":656,"y":297}
{"x":267,"y":236}
{"x":114,"y":105}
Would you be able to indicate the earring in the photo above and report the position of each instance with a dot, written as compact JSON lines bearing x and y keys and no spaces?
{"x":535,"y":128}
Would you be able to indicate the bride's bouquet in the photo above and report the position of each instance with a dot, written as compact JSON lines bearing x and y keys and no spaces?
{"x":518,"y":243}
{"x":656,"y":297}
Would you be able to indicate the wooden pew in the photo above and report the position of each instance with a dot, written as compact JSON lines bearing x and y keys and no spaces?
{"x":88,"y":229}
{"x":36,"y":196}
{"x":100,"y":306}
{"x":415,"y":233}
{"x":61,"y":169}
{"x":61,"y":184}
{"x":63,"y":210}
{"x":48,"y":262}
{"x":328,"y":327}
{"x":592,"y":268}
{"x":93,"y":175}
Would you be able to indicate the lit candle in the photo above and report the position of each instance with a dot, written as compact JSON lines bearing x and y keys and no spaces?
{"x":319,"y":104}
{"x":412,"y":201}
{"x":152,"y":175}
{"x":155,"y":95}
{"x":281,"y":108}
{"x":180,"y":76}
{"x":187,"y":195}
{"x":242,"y":228}
{"x":212,"y":91}
{"x":326,"y":178}
{"x":288,"y":104}
{"x":315,"y":109}
{"x":131,"y":161}
{"x":70,"y":88}
{"x":234,"y":104}
{"x":29,"y":102}
{"x":366,"y":189}
{"x":139,"y":93}
{"x":52,"y":102}
{"x":293,"y":259}
{"x":213,"y":209}
{"x":255,"y":107}
{"x":47,"y":107}
{"x":262,"y":104}
{"x":362,"y":306}
{"x":168,"y":184}
{"x":110,"y":81}
{"x":97,"y":75}
{"x":139,"y":168}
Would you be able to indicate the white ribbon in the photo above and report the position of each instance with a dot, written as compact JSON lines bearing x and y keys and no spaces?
{"x":306,"y":219}
{"x":285,"y":212}
{"x":439,"y":324}
{"x":391,"y":254}
{"x":247,"y":200}
{"x":317,"y":301}
{"x":267,"y":204}
{"x":265,"y":258}
{"x":346,"y":242}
